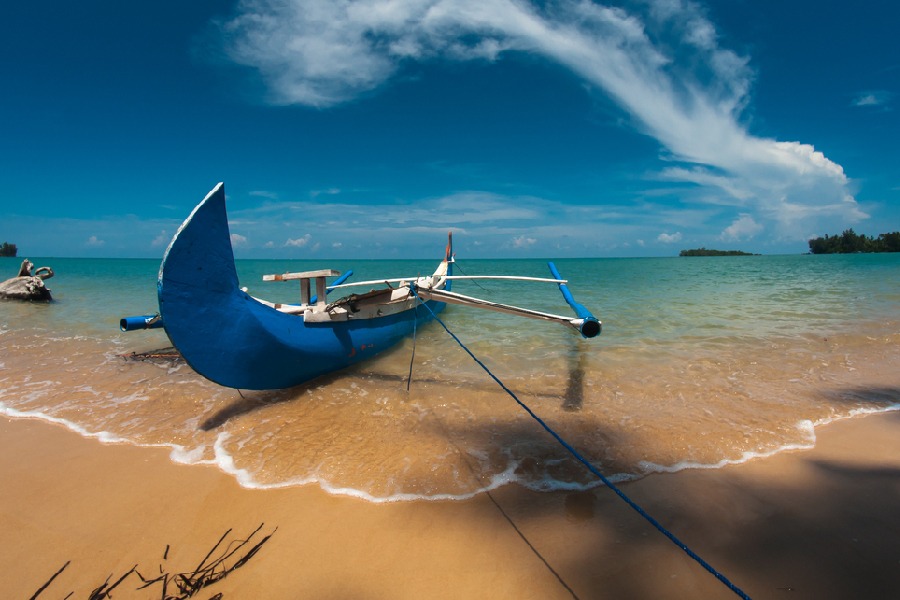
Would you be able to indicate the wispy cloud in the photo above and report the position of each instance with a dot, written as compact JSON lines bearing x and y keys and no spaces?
{"x":300,"y":242}
{"x":264,"y":194}
{"x":483,"y":223}
{"x":669,"y":238}
{"x":161,"y":240}
{"x":661,"y":61}
{"x":94,"y":242}
{"x":877,"y":98}
{"x":328,"y":192}
{"x":523,"y":241}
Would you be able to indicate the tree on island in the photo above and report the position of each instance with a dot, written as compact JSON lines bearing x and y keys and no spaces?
{"x":850,"y":242}
{"x":710,"y":252}
{"x":8,"y":249}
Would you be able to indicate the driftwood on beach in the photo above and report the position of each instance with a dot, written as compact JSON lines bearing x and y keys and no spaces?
{"x":214,"y":567}
{"x":28,"y":284}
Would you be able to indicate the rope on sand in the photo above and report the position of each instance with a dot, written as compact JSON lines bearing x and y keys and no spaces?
{"x":588,"y":465}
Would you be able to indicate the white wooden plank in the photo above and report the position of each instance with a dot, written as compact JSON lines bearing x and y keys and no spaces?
{"x":302,"y":275}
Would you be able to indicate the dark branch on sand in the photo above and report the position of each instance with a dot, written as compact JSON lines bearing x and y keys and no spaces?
{"x":104,"y":591}
{"x":209,"y":571}
{"x":49,"y":581}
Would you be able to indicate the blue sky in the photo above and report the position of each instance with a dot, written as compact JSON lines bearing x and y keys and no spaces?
{"x":369,"y":128}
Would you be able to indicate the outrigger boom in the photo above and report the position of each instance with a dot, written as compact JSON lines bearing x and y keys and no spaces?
{"x":586,"y":324}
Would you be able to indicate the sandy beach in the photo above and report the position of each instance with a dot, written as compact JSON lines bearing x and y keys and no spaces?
{"x":821,"y":523}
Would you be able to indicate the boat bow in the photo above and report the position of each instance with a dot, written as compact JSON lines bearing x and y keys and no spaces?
{"x":238,"y":341}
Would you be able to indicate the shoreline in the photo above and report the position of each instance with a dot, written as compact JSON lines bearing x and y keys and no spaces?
{"x":178,"y":455}
{"x":816,"y":523}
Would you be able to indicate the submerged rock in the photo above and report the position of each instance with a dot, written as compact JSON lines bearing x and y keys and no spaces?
{"x":28,"y":286}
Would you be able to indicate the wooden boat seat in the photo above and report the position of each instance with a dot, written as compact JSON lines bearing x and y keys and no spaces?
{"x":305,"y":287}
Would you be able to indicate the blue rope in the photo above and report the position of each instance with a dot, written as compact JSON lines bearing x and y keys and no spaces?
{"x":589,"y":466}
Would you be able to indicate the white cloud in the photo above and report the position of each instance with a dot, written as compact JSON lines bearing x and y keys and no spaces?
{"x":546,"y":228}
{"x":161,"y":240}
{"x":238,"y":240}
{"x":866,"y":100}
{"x":661,"y":61}
{"x":669,"y":238}
{"x":420,"y":227}
{"x":300,"y":242}
{"x":872,"y":98}
{"x":328,"y":192}
{"x":94,"y":242}
{"x":743,"y":228}
{"x":523,"y":241}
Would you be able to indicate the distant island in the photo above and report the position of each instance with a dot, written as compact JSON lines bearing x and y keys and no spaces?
{"x":851,"y":242}
{"x":8,"y":249}
{"x":710,"y":252}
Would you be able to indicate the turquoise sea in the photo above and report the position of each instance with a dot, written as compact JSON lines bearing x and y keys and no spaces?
{"x":703,"y":362}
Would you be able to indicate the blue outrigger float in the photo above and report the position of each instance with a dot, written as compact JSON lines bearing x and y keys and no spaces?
{"x":239,"y":341}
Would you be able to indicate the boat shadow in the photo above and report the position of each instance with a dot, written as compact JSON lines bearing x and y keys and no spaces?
{"x":253,"y":400}
{"x":245,"y":405}
{"x":572,"y":397}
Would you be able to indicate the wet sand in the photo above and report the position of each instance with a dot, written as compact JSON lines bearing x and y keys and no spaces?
{"x":820,"y":523}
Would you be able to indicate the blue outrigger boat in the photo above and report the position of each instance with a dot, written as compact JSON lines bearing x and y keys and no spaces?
{"x":239,"y":341}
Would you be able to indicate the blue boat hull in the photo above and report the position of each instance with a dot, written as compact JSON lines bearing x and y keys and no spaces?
{"x":236,"y":341}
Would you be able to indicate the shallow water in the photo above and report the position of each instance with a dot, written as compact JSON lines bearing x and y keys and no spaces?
{"x":702,"y":362}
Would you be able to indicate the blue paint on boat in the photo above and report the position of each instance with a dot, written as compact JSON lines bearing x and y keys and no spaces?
{"x":237,"y":341}
{"x":140,"y":322}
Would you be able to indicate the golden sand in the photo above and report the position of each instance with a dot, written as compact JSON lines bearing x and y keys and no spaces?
{"x":821,"y":523}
